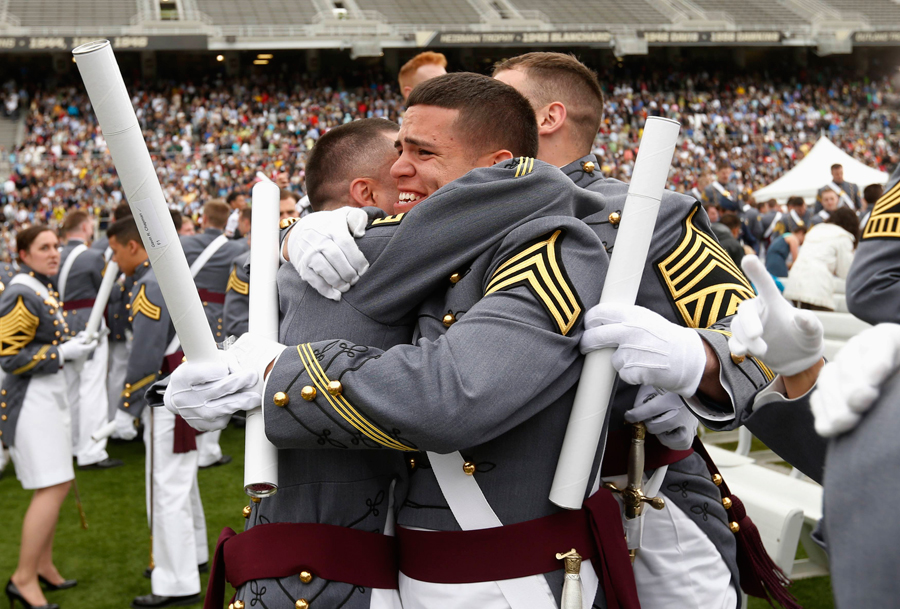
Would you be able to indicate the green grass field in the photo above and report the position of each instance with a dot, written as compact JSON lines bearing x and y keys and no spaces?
{"x":108,"y":558}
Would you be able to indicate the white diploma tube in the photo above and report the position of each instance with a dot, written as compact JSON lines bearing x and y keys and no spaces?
{"x":104,"y":432}
{"x":626,"y":266}
{"x":112,"y":105}
{"x":260,"y":455}
{"x":102,"y":299}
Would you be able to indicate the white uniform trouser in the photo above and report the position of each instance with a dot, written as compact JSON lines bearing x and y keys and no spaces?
{"x":677,"y":567}
{"x":89,"y":404}
{"x":208,"y":448}
{"x":119,"y":350}
{"x":178,"y":523}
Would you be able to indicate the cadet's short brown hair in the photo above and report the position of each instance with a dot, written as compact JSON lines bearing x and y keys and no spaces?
{"x":24,"y":238}
{"x":846,"y":219}
{"x":343,"y":154}
{"x":872,"y":193}
{"x":562,"y":78}
{"x":74,"y":219}
{"x":795,"y":202}
{"x":422,"y":59}
{"x":492,"y":115}
{"x":125,"y":230}
{"x":216,"y":213}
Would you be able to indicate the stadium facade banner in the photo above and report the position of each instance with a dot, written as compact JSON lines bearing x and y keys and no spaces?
{"x":876,"y":38}
{"x":49,"y":44}
{"x":512,"y":39}
{"x":719,"y":38}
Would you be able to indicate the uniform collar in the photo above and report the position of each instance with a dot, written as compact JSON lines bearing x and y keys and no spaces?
{"x":215,"y":232}
{"x":47,"y":281}
{"x":74,"y":242}
{"x":141,"y":270}
{"x":577,"y":171}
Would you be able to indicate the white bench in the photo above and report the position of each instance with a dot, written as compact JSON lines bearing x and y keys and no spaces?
{"x":784,"y":509}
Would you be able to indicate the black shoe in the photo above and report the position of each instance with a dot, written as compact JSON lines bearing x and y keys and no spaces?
{"x":105,"y":464}
{"x":204,"y":568}
{"x":155,"y":601}
{"x":13,"y":594}
{"x":223,"y":460}
{"x":67,"y":583}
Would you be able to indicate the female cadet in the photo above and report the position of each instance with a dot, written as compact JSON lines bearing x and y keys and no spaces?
{"x":34,"y":415}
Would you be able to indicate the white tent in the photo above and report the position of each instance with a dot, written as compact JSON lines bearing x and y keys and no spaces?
{"x":814,"y":172}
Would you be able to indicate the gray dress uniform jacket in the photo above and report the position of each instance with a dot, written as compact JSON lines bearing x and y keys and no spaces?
{"x":346,"y":488}
{"x":862,"y":535}
{"x":496,"y":359}
{"x":30,"y":333}
{"x":82,"y":283}
{"x":153,"y":330}
{"x":213,"y":277}
{"x":850,"y":189}
{"x":236,"y":311}
{"x":728,"y":202}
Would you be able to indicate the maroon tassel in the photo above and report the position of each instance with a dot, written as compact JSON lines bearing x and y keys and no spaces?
{"x":760,"y":576}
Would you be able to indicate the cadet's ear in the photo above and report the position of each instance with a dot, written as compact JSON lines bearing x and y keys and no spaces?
{"x":550,"y":118}
{"x":362,"y":193}
{"x":492,"y":158}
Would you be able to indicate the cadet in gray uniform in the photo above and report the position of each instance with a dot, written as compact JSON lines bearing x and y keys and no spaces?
{"x":210,"y":255}
{"x":81,"y":271}
{"x":722,"y":191}
{"x":847,"y":192}
{"x":236,"y":311}
{"x":178,"y":527}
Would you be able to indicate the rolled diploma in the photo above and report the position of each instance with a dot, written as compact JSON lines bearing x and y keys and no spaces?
{"x":102,"y":299}
{"x":104,"y":432}
{"x":598,"y":377}
{"x":260,"y":455}
{"x":112,"y":105}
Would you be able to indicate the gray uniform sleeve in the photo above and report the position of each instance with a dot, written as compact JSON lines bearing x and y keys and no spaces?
{"x":150,"y":322}
{"x":236,"y":311}
{"x":493,"y":369}
{"x":28,"y":346}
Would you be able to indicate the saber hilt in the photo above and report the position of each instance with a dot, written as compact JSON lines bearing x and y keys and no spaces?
{"x":633,"y":495}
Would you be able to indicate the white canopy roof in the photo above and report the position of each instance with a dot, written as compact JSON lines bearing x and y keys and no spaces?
{"x":814,"y":172}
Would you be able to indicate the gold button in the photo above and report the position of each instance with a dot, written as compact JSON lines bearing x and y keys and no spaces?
{"x":717,"y":479}
{"x":2,"y":417}
{"x":231,"y":606}
{"x":44,"y":356}
{"x":737,"y":359}
{"x":125,"y":404}
{"x":281,"y":399}
{"x":255,"y":499}
{"x":247,"y":511}
{"x":726,"y":501}
{"x":615,"y":218}
{"x":469,"y":468}
{"x":220,"y":320}
{"x":449,"y":319}
{"x":55,"y":322}
{"x":52,"y":356}
{"x":54,"y":342}
{"x":115,"y":316}
{"x":455,"y":277}
{"x":335,"y":388}
{"x":734,"y":526}
{"x":2,"y":391}
{"x":308,"y":393}
{"x":127,"y":385}
{"x":128,"y":306}
{"x":306,"y":577}
{"x":2,"y":404}
{"x":238,"y":604}
{"x":589,"y":167}
{"x":286,"y":222}
{"x":130,"y":318}
{"x":412,"y":463}
{"x":57,"y":333}
{"x":301,"y":604}
{"x":205,"y":303}
{"x":126,"y":395}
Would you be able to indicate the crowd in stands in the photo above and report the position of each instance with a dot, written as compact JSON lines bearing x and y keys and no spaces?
{"x":211,"y":139}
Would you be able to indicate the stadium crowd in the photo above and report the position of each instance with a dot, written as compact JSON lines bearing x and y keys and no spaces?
{"x":213,"y":138}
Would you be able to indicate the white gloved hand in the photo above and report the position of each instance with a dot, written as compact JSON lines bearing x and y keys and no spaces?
{"x":849,"y":385}
{"x":650,"y":350}
{"x":252,"y":352}
{"x":126,"y":425}
{"x":77,"y":347}
{"x":665,"y":416}
{"x":322,"y":248}
{"x":207,"y":394}
{"x":768,"y":327}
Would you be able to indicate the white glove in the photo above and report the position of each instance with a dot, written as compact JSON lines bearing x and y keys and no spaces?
{"x":788,"y":340}
{"x":322,"y":248}
{"x":207,"y":394}
{"x":850,"y":384}
{"x":650,"y":350}
{"x":126,"y":425}
{"x":252,"y":352}
{"x":665,"y":416}
{"x":77,"y":347}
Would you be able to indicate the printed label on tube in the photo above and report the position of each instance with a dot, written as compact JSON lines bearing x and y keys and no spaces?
{"x":149,"y":224}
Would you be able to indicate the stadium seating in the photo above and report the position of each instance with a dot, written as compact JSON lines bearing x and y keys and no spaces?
{"x":601,"y":12}
{"x":769,"y":13}
{"x":423,"y":11}
{"x":271,"y":12}
{"x":877,"y":12}
{"x":84,"y":13}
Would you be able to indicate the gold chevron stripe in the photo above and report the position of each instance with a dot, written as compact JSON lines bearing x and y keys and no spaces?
{"x":887,"y":200}
{"x":236,"y":284}
{"x":143,"y":305}
{"x":340,"y":404}
{"x":17,"y":328}
{"x":538,"y":267}
{"x":396,"y":219}
{"x":525,"y":166}
{"x":35,"y":360}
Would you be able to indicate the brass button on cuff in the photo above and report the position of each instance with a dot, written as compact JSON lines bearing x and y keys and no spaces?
{"x":469,"y":468}
{"x":335,"y":388}
{"x":281,"y":399}
{"x":449,"y":319}
{"x":308,"y":393}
